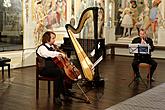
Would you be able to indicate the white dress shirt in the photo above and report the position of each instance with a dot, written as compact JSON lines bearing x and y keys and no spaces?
{"x":44,"y":52}
{"x":143,"y":41}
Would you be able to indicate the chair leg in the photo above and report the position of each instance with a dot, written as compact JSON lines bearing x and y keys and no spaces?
{"x":3,"y":73}
{"x":37,"y":89}
{"x":54,"y":91}
{"x":149,"y":79}
{"x":149,"y":73}
{"x":9,"y":71}
{"x":143,"y":81}
{"x":131,"y":82}
{"x":48,"y":88}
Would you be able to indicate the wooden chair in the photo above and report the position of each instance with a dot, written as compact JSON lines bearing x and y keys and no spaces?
{"x":143,"y":66}
{"x":147,"y":67}
{"x":39,"y":67}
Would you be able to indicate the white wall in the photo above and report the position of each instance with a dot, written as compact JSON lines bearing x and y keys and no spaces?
{"x":20,"y":58}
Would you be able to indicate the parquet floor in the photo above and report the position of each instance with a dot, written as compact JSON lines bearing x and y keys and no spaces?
{"x":19,"y":93}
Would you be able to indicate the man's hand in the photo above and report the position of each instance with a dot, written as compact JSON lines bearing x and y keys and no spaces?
{"x":63,"y":55}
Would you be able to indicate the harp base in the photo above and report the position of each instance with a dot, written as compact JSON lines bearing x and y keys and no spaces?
{"x":96,"y":83}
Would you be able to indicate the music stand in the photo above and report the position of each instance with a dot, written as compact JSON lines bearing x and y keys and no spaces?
{"x":139,"y":48}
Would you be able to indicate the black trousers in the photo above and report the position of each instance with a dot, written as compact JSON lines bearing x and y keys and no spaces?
{"x":62,"y":83}
{"x":59,"y":75}
{"x":150,"y":61}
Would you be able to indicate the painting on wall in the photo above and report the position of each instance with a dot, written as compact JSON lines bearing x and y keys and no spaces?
{"x":12,"y":18}
{"x":133,"y":15}
{"x":11,"y":25}
{"x":48,"y":14}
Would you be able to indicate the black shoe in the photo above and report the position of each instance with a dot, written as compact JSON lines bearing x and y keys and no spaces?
{"x":67,"y":99}
{"x":69,"y":93}
{"x":137,"y":78}
{"x":151,"y":79}
{"x":58,"y":101}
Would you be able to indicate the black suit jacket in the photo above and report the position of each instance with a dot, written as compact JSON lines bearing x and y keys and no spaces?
{"x":143,"y":57}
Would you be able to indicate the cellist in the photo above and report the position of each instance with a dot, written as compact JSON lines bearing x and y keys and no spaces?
{"x":47,"y":51}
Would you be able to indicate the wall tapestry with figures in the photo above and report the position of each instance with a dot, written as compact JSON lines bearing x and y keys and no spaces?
{"x":135,"y":14}
{"x":48,"y":14}
{"x":52,"y":14}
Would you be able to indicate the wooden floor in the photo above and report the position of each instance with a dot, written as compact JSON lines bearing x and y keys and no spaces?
{"x":19,"y":93}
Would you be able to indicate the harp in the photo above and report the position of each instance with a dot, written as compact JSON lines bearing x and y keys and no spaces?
{"x":86,"y":63}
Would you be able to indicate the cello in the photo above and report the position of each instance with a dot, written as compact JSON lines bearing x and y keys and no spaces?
{"x":70,"y":69}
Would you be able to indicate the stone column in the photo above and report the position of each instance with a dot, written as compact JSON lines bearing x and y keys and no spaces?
{"x":109,"y":28}
{"x":161,"y":30}
{"x":106,"y":12}
{"x":162,"y":8}
{"x":69,"y":10}
{"x":28,"y":37}
{"x":123,"y":3}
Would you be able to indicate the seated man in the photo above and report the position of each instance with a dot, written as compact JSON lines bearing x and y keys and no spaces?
{"x":143,"y":58}
{"x":47,"y":51}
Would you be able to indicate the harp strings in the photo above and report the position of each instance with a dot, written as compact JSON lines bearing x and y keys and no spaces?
{"x":85,"y":62}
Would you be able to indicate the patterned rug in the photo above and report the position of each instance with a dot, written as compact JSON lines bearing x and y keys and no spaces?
{"x":153,"y":99}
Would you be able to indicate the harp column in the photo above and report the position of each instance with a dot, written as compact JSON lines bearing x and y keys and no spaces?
{"x":161,"y":27}
{"x":98,"y":81}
